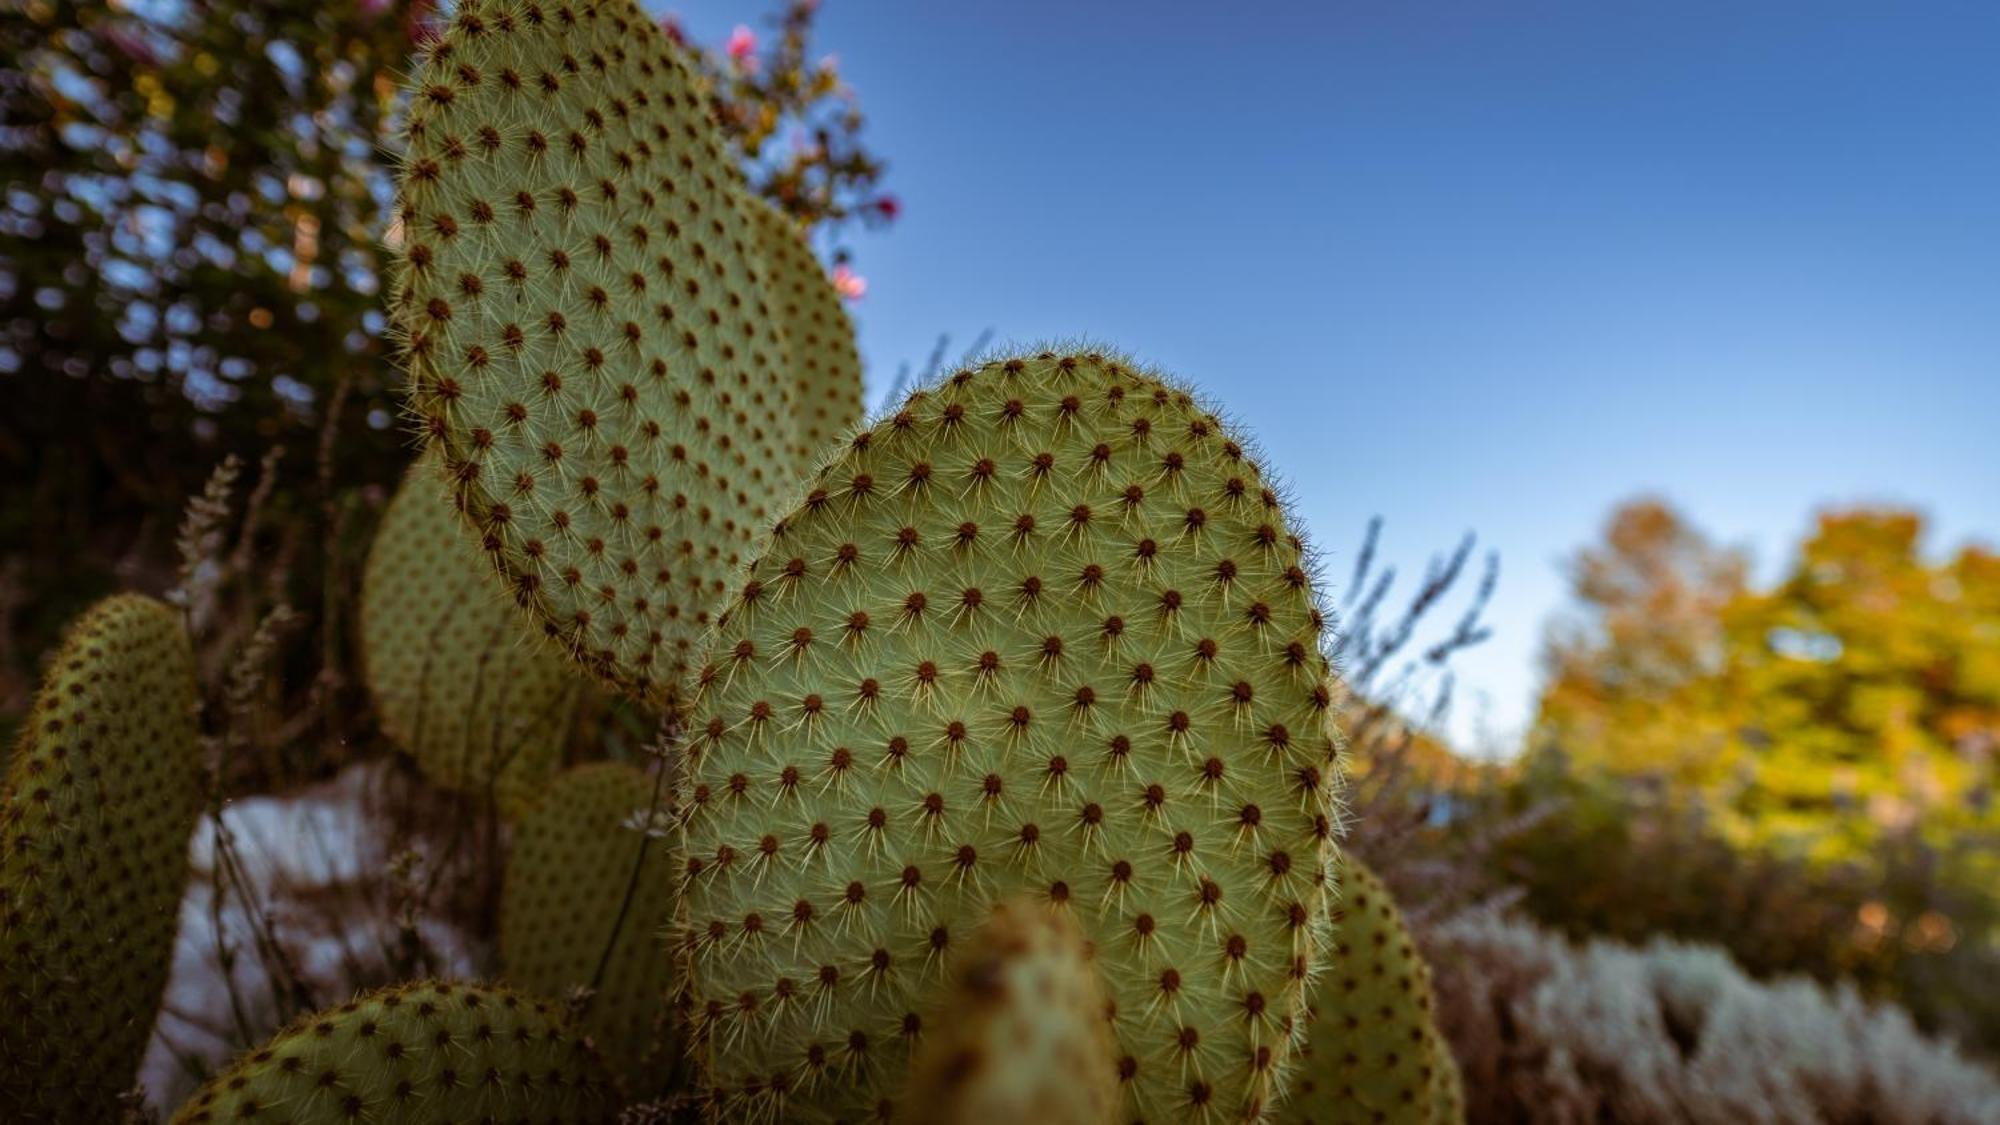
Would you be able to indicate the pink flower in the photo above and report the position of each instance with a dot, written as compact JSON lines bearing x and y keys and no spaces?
{"x":849,"y":284}
{"x":742,"y":45}
{"x":889,"y":207}
{"x":671,"y":24}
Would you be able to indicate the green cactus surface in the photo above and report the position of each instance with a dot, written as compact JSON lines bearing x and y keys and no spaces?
{"x":566,"y":891}
{"x":99,"y":800}
{"x":819,"y":338}
{"x":1373,"y":1053}
{"x":1024,"y":1034}
{"x":582,"y":310}
{"x":459,"y":678}
{"x":430,"y":1053}
{"x":1044,"y":631}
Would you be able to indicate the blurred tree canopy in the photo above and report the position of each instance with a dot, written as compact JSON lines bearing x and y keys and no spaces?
{"x":1801,"y":773}
{"x":1854,"y":702}
{"x":192,"y":195}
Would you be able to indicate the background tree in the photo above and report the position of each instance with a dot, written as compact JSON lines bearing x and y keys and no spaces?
{"x":1801,"y":773}
{"x":192,"y":198}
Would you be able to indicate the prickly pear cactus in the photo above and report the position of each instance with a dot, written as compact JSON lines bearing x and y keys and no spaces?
{"x":819,"y":338}
{"x":1024,"y":1034}
{"x":460,"y":682}
{"x":568,"y":879}
{"x":417,"y":1054}
{"x":581,"y":305}
{"x":1373,"y":1053}
{"x":94,"y":820}
{"x":1045,"y":631}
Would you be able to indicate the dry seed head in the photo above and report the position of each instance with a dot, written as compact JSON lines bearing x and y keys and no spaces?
{"x":567,"y":879}
{"x":459,"y":677}
{"x":1044,"y":631}
{"x":99,"y":799}
{"x":585,"y":325}
{"x":1023,"y":1035}
{"x":1373,"y":1053}
{"x":415,"y":1054}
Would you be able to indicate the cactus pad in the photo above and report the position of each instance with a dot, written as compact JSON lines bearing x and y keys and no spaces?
{"x":566,"y":882}
{"x":1373,"y":1053}
{"x":416,"y":1054}
{"x":94,"y":820}
{"x":582,"y":313}
{"x":460,"y":680}
{"x":1023,"y":1036}
{"x":1044,"y":631}
{"x":819,"y":339}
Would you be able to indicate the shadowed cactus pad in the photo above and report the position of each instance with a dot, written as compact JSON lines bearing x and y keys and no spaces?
{"x":567,"y":879}
{"x":585,"y":328}
{"x":1023,"y":1035}
{"x":94,"y":820}
{"x":1373,"y":1053}
{"x":819,"y":339}
{"x":461,"y":681}
{"x":1044,"y":631}
{"x":417,"y":1054}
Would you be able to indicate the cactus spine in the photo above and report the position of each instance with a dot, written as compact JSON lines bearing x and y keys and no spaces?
{"x":416,"y":1054}
{"x":94,"y":819}
{"x":475,"y":698}
{"x":567,"y":882}
{"x":1373,"y":1053}
{"x":1024,"y":1033}
{"x":1044,"y":631}
{"x":589,"y":346}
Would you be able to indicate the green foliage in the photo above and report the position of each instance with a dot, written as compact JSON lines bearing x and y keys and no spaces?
{"x":429,"y":1053}
{"x":458,"y":679}
{"x":1372,"y":1051}
{"x":589,"y":342}
{"x":1045,"y":631}
{"x":1854,"y":702}
{"x":94,"y":819}
{"x":1023,"y":1034}
{"x":573,"y":881}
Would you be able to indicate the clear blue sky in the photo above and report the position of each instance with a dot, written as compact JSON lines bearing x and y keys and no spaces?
{"x":1472,"y":265}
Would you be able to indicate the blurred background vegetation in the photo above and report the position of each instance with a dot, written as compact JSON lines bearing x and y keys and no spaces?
{"x":1798,"y":772}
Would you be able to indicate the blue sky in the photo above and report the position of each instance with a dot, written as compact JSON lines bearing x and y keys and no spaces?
{"x":1474,"y":266}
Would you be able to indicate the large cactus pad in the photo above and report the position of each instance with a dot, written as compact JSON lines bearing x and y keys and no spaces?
{"x":481,"y":701}
{"x":94,"y":820}
{"x":1373,"y":1053}
{"x":1044,"y":631}
{"x":585,"y":326}
{"x":571,"y":882}
{"x":429,"y":1053}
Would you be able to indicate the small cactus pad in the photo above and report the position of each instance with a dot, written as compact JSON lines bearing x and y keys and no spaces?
{"x":94,"y":820}
{"x":583,"y":319}
{"x":1372,"y":1052}
{"x":1044,"y":631}
{"x":461,"y":680}
{"x":567,"y":881}
{"x":819,"y":339}
{"x":1023,"y":1035}
{"x":430,"y":1053}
